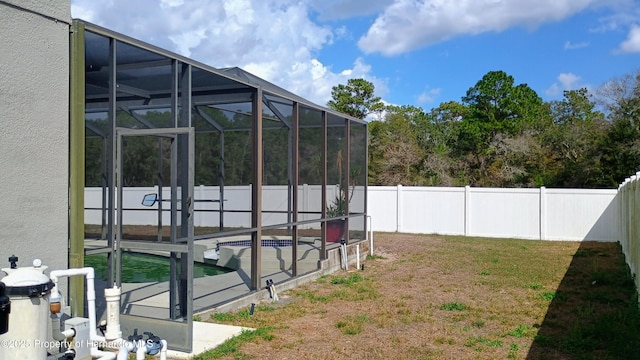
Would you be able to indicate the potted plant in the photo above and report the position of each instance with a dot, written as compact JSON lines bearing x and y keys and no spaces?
{"x":337,"y":208}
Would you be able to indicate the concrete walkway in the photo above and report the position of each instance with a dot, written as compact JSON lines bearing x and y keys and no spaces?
{"x":207,"y":336}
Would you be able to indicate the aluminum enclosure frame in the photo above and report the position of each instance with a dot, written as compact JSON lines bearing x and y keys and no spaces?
{"x":125,"y":76}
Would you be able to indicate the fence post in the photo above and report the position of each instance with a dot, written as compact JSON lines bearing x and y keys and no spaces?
{"x":399,"y":209}
{"x":467,"y":210}
{"x":543,"y":213}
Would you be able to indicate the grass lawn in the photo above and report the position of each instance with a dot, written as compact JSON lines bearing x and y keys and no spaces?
{"x":444,"y":297}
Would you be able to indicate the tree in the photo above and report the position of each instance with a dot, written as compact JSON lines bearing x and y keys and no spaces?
{"x":497,"y":106}
{"x":356,"y":98}
{"x":498,"y":110}
{"x":572,"y":140}
{"x":395,"y":156}
{"x":440,"y":166}
{"x":620,"y":149}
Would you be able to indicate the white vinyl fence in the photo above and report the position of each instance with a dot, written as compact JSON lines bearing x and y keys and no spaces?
{"x":547,"y":214}
{"x":629,"y":222}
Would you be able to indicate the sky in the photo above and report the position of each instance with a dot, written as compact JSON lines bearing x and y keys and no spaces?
{"x":415,"y":52}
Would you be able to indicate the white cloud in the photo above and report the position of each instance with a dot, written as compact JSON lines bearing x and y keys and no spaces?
{"x":568,"y":45}
{"x":566,"y":81}
{"x":82,"y":12}
{"x":632,"y":43}
{"x":625,"y":13}
{"x":274,"y":39}
{"x":406,"y":25}
{"x":429,"y":96}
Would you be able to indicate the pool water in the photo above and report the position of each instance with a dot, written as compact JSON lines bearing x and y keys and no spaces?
{"x":142,"y":268}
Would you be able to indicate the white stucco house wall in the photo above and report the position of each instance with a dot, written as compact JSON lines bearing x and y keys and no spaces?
{"x":34,"y":131}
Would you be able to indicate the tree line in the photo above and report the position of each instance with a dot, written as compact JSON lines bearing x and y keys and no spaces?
{"x":502,"y":134}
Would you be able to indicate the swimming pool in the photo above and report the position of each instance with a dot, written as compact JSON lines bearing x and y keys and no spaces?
{"x":142,"y":268}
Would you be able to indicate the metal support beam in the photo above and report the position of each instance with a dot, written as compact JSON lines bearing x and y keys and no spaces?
{"x":112,"y":261}
{"x":76,"y":166}
{"x":366,"y":186}
{"x":185,"y":154}
{"x":119,"y":186}
{"x":221,"y":175}
{"x":139,"y":118}
{"x":160,"y":180}
{"x":256,"y":192}
{"x":323,"y":229}
{"x":133,"y":91}
{"x":347,"y":172}
{"x":173,"y":262}
{"x":293,"y":197}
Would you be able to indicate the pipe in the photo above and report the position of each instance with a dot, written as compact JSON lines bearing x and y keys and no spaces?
{"x":345,"y":257}
{"x":370,"y":236}
{"x":112,"y":297}
{"x":142,"y":350}
{"x":163,"y":350}
{"x":123,"y":354}
{"x":358,"y":257}
{"x":274,"y":294}
{"x":55,"y":330}
{"x":125,"y":346}
{"x":102,"y":355}
{"x":91,"y":295}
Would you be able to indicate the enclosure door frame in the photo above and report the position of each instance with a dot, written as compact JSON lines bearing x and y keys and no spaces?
{"x":178,"y":329}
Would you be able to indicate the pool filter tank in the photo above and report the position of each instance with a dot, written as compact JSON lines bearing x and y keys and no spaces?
{"x":28,"y":290}
{"x":5,"y":309}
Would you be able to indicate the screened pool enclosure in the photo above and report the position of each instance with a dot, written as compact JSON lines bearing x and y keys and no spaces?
{"x":234,"y":172}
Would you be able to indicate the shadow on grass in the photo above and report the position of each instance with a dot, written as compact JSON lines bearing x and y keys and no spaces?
{"x":593,"y":314}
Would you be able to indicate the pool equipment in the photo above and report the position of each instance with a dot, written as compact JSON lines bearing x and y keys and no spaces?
{"x":344,"y":255}
{"x":138,"y":345}
{"x":272,"y":290}
{"x":358,"y":256}
{"x":28,"y":289}
{"x":36,"y":304}
{"x":5,"y":309}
